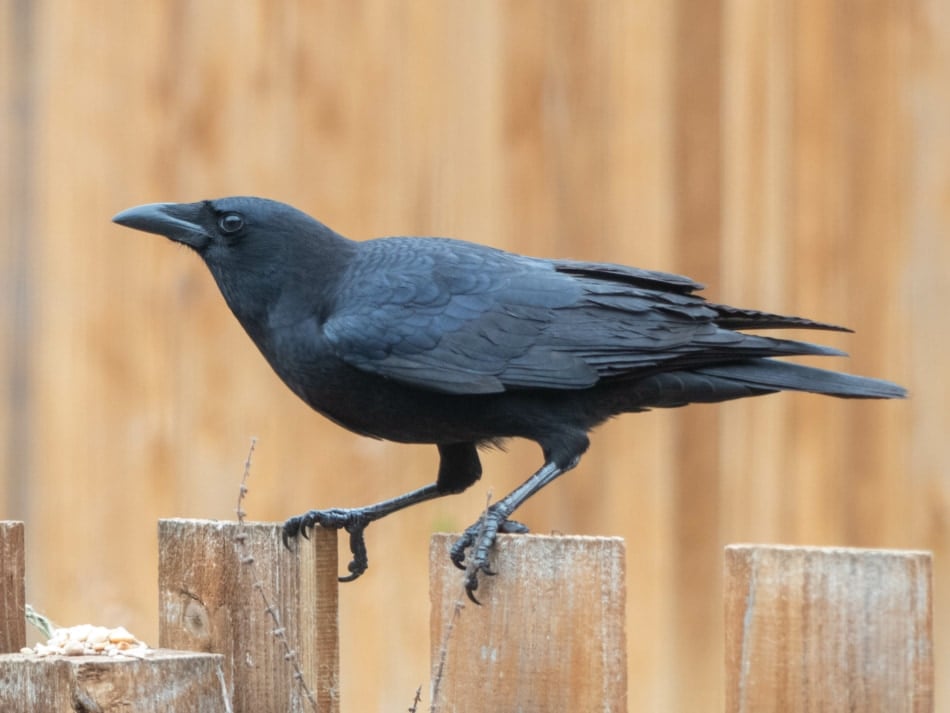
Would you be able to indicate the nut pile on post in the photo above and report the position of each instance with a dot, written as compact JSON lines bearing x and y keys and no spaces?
{"x":89,"y":640}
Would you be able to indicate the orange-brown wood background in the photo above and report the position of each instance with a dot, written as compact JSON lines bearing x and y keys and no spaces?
{"x":794,"y":156}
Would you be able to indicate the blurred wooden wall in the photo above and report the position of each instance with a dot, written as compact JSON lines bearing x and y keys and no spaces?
{"x":794,"y":156}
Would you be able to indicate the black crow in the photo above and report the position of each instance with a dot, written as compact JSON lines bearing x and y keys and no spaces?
{"x":433,"y":340}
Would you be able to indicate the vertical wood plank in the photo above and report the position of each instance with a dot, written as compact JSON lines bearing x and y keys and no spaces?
{"x":632,"y":465}
{"x":828,"y":629}
{"x":18,"y":88}
{"x":548,"y":637}
{"x":849,"y":196}
{"x":755,"y":242}
{"x":924,"y":97}
{"x":210,"y":599}
{"x":12,"y":587}
{"x":697,"y":189}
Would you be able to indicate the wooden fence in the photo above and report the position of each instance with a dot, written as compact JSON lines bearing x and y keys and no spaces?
{"x":246,"y":625}
{"x":793,"y":155}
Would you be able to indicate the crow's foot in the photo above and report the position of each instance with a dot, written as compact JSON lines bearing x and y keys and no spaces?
{"x":479,"y":538}
{"x":353,"y":521}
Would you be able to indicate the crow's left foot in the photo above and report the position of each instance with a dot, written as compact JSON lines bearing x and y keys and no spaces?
{"x":480,"y":537}
{"x":354,"y":521}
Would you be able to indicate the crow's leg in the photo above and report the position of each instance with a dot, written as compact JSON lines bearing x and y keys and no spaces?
{"x":459,"y":467}
{"x":481,"y":535}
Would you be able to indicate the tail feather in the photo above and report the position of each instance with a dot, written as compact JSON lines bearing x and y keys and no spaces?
{"x":736,"y":318}
{"x":751,"y":377}
{"x":773,"y":375}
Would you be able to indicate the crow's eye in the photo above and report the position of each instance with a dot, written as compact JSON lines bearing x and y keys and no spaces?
{"x":230,"y":222}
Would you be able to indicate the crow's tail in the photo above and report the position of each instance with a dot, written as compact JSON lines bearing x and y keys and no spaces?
{"x":785,"y":376}
{"x":751,"y":377}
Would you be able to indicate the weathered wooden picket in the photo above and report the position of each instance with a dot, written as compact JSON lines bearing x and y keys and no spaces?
{"x":246,"y":625}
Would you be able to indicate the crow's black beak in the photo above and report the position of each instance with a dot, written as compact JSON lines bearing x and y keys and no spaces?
{"x":176,"y":221}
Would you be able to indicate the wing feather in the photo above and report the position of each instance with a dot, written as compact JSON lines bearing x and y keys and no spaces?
{"x":455,"y":317}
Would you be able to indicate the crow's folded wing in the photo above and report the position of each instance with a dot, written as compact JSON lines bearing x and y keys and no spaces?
{"x":455,"y":317}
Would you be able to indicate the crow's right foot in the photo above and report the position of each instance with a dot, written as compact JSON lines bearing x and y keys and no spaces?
{"x":354,"y":521}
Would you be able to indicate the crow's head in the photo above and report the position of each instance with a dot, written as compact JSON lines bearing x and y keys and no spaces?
{"x":221,"y":229}
{"x":255,"y":248}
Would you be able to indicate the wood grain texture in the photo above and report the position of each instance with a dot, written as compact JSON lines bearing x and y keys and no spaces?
{"x":828,"y":629}
{"x":793,"y":156}
{"x":12,"y":587}
{"x":164,"y":681}
{"x":548,"y":637}
{"x":212,"y":591}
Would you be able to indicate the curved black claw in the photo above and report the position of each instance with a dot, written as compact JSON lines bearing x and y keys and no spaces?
{"x":353,"y":521}
{"x":479,"y":537}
